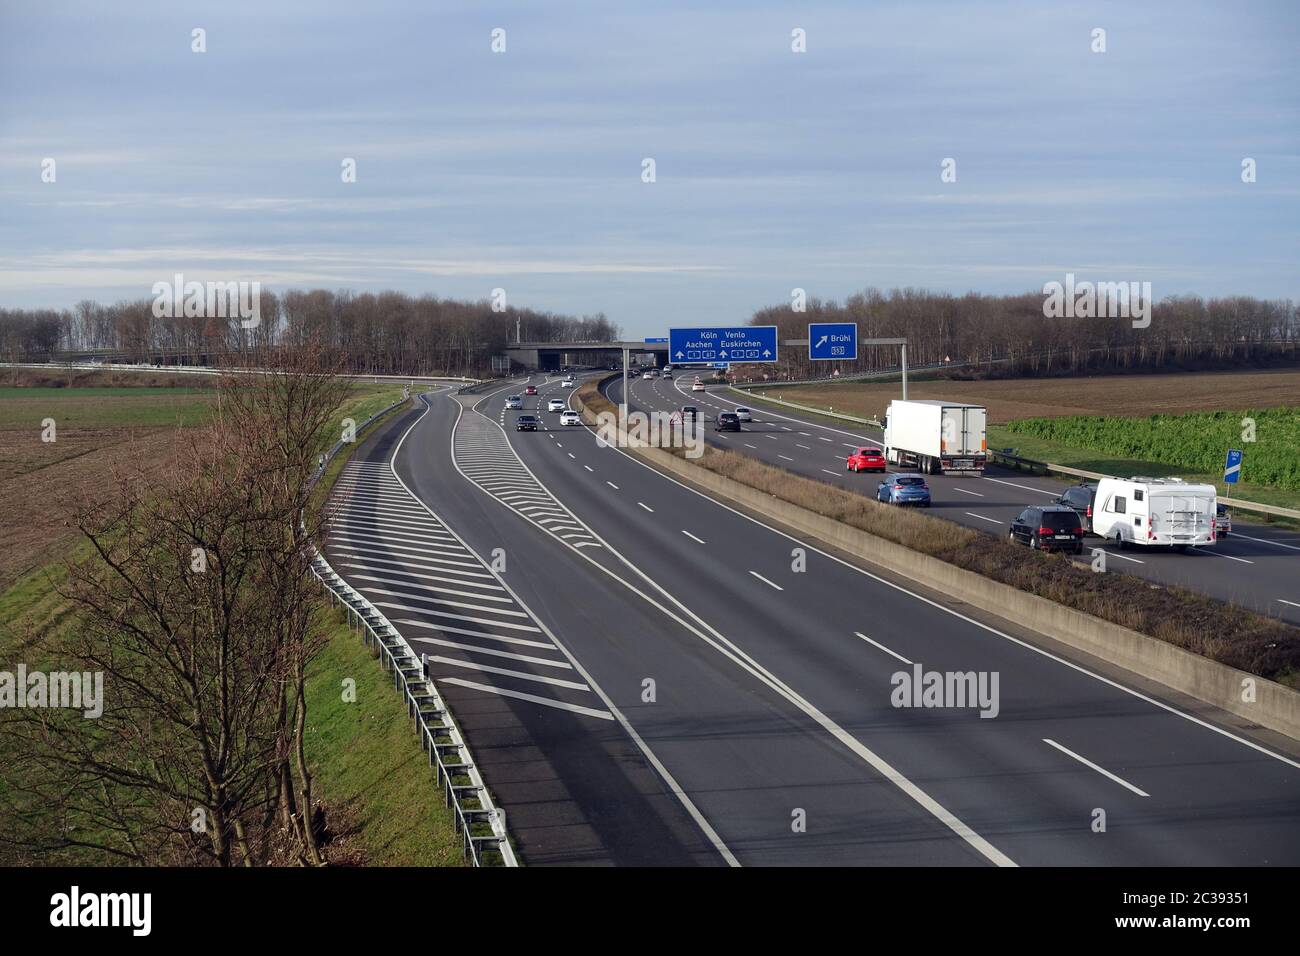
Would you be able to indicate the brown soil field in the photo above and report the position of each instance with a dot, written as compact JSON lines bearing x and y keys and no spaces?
{"x":1126,"y":395}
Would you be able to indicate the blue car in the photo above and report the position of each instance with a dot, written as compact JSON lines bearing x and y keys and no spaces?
{"x":904,"y":490}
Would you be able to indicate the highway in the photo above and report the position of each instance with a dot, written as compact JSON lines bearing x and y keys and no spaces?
{"x":1257,"y":567}
{"x":648,"y":676}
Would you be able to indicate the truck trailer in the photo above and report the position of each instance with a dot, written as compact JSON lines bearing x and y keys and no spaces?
{"x":935,"y":437}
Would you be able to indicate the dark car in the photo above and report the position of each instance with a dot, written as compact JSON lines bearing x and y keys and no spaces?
{"x":527,"y":423}
{"x":904,"y":490}
{"x":690,"y":412}
{"x":1048,"y":528}
{"x":1079,"y":498}
{"x":727,"y":422}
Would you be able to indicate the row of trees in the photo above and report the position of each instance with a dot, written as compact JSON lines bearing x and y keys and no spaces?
{"x":388,"y":332}
{"x":1183,"y":331}
{"x":196,"y":605}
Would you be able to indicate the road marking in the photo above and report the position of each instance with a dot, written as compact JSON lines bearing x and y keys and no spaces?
{"x":982,"y":518}
{"x":786,"y":457}
{"x":545,"y":701}
{"x":1217,"y":555}
{"x":1276,"y":544}
{"x":748,"y":445}
{"x":766,"y":581}
{"x":883,"y":647}
{"x":692,"y":537}
{"x":1292,"y":603}
{"x":571,"y":455}
{"x":1101,"y":770}
{"x":646,"y":507}
{"x":612,"y":485}
{"x":506,"y":672}
{"x":829,"y":472}
{"x":491,"y":652}
{"x":808,"y":447}
{"x":847,"y":445}
{"x":588,"y":467}
{"x":965,"y":492}
{"x":1122,"y":557}
{"x":824,"y":438}
{"x":1041,"y":491}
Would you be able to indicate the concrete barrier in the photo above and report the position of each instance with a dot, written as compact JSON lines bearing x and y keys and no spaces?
{"x":1275,"y":706}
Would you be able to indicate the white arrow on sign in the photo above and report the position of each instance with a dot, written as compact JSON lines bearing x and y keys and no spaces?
{"x":821,"y":341}
{"x":680,"y":354}
{"x":723,"y":354}
{"x":766,"y":353}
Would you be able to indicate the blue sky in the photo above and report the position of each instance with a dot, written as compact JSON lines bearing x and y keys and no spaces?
{"x":522,"y":170}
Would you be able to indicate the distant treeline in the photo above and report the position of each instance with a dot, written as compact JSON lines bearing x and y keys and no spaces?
{"x":387,"y":332}
{"x":1185,"y":331}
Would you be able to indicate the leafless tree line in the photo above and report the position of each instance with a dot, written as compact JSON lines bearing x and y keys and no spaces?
{"x":196,"y":603}
{"x":1184,"y":331}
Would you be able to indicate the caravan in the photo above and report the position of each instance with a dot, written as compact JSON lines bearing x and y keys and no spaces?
{"x":1145,"y":511}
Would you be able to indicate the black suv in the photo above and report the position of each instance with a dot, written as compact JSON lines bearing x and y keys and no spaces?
{"x":727,"y":422}
{"x":1048,"y":528}
{"x":1079,"y":498}
{"x":690,"y":412}
{"x":527,"y":423}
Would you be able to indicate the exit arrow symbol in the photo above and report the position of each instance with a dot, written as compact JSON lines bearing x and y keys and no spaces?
{"x":821,"y":341}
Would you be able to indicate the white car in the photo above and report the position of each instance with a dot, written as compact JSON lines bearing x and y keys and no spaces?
{"x":567,"y":383}
{"x":570,"y":418}
{"x":556,"y":405}
{"x":515,"y":401}
{"x":1154,"y":511}
{"x":697,"y":386}
{"x":744,"y":415}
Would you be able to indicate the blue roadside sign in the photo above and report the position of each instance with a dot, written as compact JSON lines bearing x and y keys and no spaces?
{"x":832,"y":341}
{"x":655,"y":341}
{"x":746,"y":343}
{"x":1232,"y":467}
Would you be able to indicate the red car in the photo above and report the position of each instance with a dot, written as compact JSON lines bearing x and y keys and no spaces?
{"x":531,"y":390}
{"x":866,"y":459}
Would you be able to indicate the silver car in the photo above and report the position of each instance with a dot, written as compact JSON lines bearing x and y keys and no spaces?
{"x":515,"y":401}
{"x":744,"y":415}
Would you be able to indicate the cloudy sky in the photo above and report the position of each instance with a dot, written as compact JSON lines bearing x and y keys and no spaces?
{"x":523,"y":169}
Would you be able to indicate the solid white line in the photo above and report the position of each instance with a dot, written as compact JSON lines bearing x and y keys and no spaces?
{"x":1101,"y":770}
{"x":434,"y":587}
{"x":506,"y":672}
{"x":492,"y":652}
{"x":882,"y":647}
{"x":982,"y":518}
{"x":766,"y":581}
{"x":1292,"y":603}
{"x":1276,"y":544}
{"x":1217,"y":555}
{"x":358,"y":554}
{"x":440,"y":601}
{"x":646,"y":506}
{"x":692,"y":537}
{"x":546,"y":701}
{"x":430,"y":612}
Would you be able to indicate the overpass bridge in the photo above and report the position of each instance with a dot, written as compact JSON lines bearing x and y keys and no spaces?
{"x":549,"y":356}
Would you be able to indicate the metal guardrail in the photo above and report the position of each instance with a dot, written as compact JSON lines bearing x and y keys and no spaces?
{"x":812,"y":409}
{"x":440,"y":737}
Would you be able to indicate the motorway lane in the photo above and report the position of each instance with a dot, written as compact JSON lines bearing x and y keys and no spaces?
{"x":1204,"y":797}
{"x":1257,"y":567}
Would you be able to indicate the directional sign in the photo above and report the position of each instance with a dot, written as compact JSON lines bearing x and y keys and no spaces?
{"x":1232,"y":467}
{"x":655,"y":341}
{"x":745,"y":343}
{"x":829,"y":341}
{"x":720,"y":365}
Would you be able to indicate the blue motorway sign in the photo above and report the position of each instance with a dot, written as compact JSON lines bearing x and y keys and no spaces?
{"x":828,"y":341}
{"x":1232,"y":467}
{"x":745,"y":343}
{"x":654,"y":341}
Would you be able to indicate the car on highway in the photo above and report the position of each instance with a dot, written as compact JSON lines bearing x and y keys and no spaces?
{"x":531,"y":390}
{"x":556,"y":405}
{"x":1080,"y":498}
{"x":527,"y":423}
{"x":1222,"y":521}
{"x":690,"y":412}
{"x":668,"y":375}
{"x":568,"y":382}
{"x":1154,"y":512}
{"x":726,"y":422}
{"x":646,"y":375}
{"x":866,"y":458}
{"x":515,"y":401}
{"x":744,"y":414}
{"x":904,"y":489}
{"x":697,"y":386}
{"x":570,"y":417}
{"x":1048,"y":528}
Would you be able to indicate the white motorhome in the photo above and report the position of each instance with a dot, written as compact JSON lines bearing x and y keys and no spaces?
{"x":1147,"y":511}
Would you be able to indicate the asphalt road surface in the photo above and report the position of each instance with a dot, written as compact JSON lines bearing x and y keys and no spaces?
{"x":1257,"y":567}
{"x":697,"y":687}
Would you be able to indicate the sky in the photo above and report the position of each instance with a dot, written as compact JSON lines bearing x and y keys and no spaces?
{"x":524,"y":170}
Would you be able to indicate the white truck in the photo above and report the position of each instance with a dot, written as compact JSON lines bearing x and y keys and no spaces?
{"x":1154,"y":511}
{"x":935,"y":437}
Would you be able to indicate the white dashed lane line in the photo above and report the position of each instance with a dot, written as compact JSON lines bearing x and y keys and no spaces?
{"x":1088,"y":763}
{"x":646,"y":507}
{"x":692,"y":537}
{"x":883,"y":648}
{"x":612,"y":485}
{"x":965,"y":492}
{"x":766,"y":581}
{"x":983,"y":518}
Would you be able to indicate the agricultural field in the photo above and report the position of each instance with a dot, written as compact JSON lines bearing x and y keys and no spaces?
{"x":98,"y":429}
